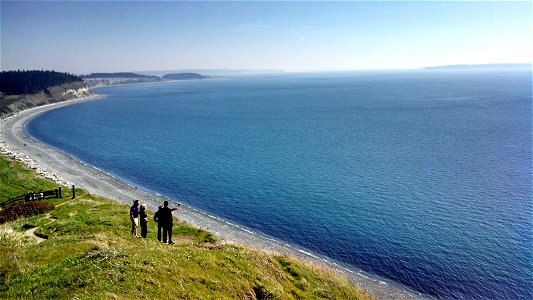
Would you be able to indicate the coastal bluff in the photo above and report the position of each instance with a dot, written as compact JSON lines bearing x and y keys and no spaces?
{"x":24,"y":89}
{"x":12,"y":104}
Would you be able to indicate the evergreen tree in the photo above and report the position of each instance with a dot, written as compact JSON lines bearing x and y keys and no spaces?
{"x":31,"y":82}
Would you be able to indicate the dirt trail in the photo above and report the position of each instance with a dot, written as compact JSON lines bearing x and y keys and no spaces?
{"x":31,"y":232}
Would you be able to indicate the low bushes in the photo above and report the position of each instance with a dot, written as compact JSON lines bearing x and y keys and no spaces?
{"x":26,"y":209}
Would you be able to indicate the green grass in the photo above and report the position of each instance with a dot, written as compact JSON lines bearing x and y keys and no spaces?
{"x":90,"y":254}
{"x":16,"y":180}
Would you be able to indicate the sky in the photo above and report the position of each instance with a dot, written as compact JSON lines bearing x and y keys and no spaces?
{"x":89,"y":36}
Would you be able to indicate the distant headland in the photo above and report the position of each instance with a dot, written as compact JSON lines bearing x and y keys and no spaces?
{"x":23,"y":89}
{"x":185,"y":76}
{"x":105,"y":79}
{"x":481,"y":67}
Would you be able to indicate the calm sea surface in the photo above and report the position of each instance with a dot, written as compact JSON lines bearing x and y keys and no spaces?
{"x":424,"y":178}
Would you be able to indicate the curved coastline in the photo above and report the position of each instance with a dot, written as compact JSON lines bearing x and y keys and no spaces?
{"x":58,"y":166}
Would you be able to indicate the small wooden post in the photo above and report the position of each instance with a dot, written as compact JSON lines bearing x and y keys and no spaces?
{"x":73,"y":192}
{"x":60,"y":196}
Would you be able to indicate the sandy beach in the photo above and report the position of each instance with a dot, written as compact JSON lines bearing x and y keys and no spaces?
{"x":60,"y":167}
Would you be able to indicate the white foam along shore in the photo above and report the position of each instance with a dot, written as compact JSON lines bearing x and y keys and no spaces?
{"x":64,"y":169}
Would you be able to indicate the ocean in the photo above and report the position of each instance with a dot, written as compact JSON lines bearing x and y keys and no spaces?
{"x":420,"y":177}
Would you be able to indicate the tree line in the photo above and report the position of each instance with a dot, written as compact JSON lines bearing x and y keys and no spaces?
{"x":30,"y":82}
{"x":119,"y":75}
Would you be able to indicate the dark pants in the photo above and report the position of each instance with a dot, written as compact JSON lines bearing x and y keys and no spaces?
{"x":167,"y":230}
{"x":159,"y":228}
{"x":144,"y":229}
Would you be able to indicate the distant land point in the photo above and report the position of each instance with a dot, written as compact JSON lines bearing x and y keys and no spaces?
{"x":480,"y":66}
{"x":105,"y":79}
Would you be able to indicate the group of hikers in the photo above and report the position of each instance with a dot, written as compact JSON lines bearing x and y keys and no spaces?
{"x":163,"y":218}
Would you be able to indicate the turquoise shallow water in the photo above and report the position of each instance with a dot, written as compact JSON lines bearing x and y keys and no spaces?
{"x":420,"y":177}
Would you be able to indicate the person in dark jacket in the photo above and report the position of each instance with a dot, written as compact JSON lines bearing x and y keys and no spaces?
{"x":134,"y":217}
{"x":165,"y":217}
{"x":143,"y":218}
{"x":159,"y":224}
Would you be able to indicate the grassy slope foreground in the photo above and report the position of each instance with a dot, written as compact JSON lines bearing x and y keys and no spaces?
{"x":89,"y":253}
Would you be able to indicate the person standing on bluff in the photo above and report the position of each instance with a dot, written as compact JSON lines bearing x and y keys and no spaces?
{"x":165,"y":218}
{"x":143,"y":218}
{"x":159,"y":223}
{"x":134,"y":217}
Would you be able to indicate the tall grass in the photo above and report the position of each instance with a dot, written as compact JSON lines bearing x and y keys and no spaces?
{"x":12,"y":243}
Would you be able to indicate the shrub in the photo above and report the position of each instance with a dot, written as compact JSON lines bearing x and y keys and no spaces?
{"x":26,"y":209}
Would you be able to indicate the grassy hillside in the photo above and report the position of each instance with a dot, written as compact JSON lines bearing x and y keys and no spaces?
{"x":90,"y":254}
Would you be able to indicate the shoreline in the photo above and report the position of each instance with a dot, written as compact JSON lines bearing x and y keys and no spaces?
{"x":60,"y":167}
{"x":149,"y":82}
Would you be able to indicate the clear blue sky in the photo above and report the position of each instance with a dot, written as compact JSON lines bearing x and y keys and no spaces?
{"x":83,"y":37}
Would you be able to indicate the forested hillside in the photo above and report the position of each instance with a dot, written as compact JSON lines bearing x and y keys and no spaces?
{"x":120,"y":75}
{"x":185,"y":76}
{"x":32,"y":82}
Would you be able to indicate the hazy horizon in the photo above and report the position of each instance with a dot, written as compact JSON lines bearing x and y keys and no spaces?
{"x":207,"y":71}
{"x":86,"y":37}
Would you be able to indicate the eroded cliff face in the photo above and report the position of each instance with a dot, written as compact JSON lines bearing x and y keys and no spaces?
{"x":77,"y":93}
{"x":69,"y":91}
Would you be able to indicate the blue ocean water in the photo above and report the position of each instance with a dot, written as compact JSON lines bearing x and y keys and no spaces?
{"x":424,"y":178}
